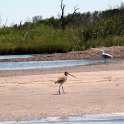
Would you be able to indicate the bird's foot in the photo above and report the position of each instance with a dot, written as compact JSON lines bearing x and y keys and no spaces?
{"x":59,"y":92}
{"x":64,"y":92}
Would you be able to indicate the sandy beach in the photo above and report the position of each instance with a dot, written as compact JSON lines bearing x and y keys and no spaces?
{"x":30,"y":94}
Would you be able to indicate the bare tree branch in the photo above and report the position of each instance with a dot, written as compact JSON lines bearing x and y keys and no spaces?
{"x":75,"y":8}
{"x":63,"y":22}
{"x":62,"y":5}
{"x":62,"y":16}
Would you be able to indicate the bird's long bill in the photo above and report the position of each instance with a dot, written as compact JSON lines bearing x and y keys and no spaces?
{"x":72,"y":75}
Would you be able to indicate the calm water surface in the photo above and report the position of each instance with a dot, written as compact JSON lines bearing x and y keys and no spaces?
{"x":45,"y":64}
{"x":14,"y":56}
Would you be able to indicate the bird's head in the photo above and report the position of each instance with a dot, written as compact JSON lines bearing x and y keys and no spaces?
{"x":66,"y":74}
{"x":101,"y":51}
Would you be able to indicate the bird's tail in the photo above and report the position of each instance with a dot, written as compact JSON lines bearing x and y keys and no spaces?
{"x":53,"y":81}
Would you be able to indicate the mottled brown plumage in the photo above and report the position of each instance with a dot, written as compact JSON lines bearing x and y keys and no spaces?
{"x":61,"y":80}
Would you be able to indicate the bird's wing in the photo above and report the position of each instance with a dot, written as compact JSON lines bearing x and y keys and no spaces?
{"x":61,"y":79}
{"x":107,"y":55}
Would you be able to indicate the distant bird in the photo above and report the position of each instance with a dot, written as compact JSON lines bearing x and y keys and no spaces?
{"x":61,"y":80}
{"x":104,"y":55}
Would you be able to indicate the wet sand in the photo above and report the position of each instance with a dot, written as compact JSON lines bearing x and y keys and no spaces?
{"x":30,"y":94}
{"x":115,"y":118}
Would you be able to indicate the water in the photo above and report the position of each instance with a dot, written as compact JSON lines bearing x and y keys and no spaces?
{"x":45,"y":64}
{"x":87,"y":119}
{"x":14,"y":56}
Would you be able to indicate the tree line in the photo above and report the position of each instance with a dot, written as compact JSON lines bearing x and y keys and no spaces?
{"x":76,"y":31}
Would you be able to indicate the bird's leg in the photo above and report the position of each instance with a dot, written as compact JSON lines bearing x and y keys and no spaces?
{"x":105,"y":61}
{"x":63,"y":89}
{"x":59,"y":88}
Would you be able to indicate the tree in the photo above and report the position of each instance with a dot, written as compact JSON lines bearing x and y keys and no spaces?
{"x":36,"y":19}
{"x":62,"y":15}
{"x":63,"y":22}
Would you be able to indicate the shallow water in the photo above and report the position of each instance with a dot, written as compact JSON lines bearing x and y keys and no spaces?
{"x":87,"y":119}
{"x":14,"y":56}
{"x":45,"y":64}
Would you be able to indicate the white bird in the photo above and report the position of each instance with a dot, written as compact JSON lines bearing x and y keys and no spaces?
{"x":62,"y":79}
{"x":104,"y":55}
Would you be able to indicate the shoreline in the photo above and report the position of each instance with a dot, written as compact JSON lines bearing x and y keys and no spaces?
{"x":30,"y":94}
{"x":90,"y":54}
{"x":95,"y":118}
{"x":27,"y":95}
{"x":115,"y":65}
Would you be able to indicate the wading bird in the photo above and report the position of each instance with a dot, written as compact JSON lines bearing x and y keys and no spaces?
{"x":104,"y":55}
{"x":61,"y":80}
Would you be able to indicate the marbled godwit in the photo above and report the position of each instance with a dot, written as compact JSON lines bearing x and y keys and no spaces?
{"x":62,"y":79}
{"x":105,"y":56}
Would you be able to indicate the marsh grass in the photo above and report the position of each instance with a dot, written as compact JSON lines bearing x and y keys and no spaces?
{"x":46,"y":39}
{"x":42,"y":39}
{"x":107,"y":42}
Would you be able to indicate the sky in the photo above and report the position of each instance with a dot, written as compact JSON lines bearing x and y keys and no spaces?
{"x":14,"y":11}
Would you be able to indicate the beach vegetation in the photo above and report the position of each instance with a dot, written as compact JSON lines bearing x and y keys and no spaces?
{"x":82,"y":31}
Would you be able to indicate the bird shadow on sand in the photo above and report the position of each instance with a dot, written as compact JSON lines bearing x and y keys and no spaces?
{"x":63,"y":93}
{"x":58,"y":94}
{"x":55,"y":94}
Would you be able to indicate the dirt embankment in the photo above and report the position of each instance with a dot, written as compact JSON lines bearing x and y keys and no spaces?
{"x":93,"y":53}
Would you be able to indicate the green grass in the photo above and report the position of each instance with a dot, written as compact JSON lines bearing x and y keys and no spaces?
{"x":42,"y":39}
{"x":46,"y":39}
{"x":107,"y":42}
